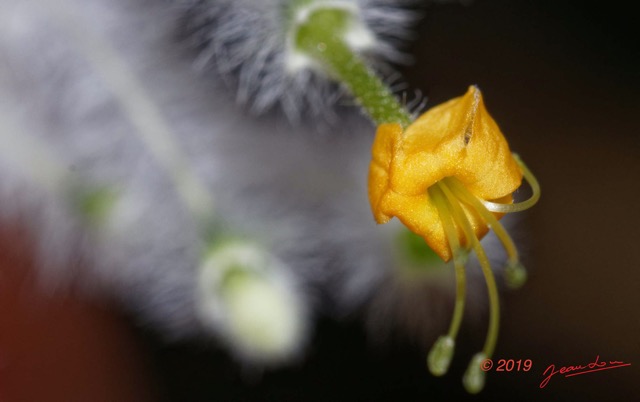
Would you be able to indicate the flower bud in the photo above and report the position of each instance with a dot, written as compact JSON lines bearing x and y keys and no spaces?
{"x":245,"y":294}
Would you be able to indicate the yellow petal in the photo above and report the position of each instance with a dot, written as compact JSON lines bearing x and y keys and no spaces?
{"x":455,"y":139}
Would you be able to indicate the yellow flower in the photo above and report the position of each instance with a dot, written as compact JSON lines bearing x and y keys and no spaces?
{"x":448,"y":177}
{"x":457,"y":139}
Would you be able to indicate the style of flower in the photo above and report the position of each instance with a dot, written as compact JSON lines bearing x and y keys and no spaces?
{"x":449,"y":176}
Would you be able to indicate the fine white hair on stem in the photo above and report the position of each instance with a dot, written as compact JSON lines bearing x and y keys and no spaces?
{"x":393,"y":22}
{"x":254,"y":62}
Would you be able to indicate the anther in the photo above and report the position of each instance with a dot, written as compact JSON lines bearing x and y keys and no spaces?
{"x":474,"y":377}
{"x":440,"y":355}
{"x":515,"y":274}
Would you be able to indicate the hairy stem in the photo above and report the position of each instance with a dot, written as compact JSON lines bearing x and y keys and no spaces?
{"x":321,"y":37}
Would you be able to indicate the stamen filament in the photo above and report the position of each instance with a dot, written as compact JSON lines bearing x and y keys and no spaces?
{"x":492,"y":288}
{"x":494,"y":302}
{"x":444,"y":210}
{"x":518,"y":206}
{"x":460,"y":191}
{"x":441,"y":353}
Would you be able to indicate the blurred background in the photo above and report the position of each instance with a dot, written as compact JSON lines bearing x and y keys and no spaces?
{"x":562,"y":79}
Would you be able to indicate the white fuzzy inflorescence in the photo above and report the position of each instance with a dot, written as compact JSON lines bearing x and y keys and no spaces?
{"x":249,"y":44}
{"x":301,"y":198}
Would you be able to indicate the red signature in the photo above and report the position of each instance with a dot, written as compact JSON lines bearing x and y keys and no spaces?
{"x":570,"y":371}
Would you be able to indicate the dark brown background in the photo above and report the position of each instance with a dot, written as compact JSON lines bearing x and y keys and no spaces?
{"x":563,"y":82}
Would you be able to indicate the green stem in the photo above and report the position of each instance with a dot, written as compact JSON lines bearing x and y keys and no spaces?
{"x":321,"y":37}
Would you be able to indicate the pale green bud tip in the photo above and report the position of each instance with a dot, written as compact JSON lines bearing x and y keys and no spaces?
{"x":344,"y":22}
{"x":246,"y":295}
{"x":440,"y":355}
{"x":515,"y":274}
{"x":473,"y":379}
{"x":262,"y":317}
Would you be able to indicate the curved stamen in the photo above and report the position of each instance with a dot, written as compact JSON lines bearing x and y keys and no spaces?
{"x":515,"y":273}
{"x":518,"y":206}
{"x":492,"y":288}
{"x":473,"y":379}
{"x":460,"y":191}
{"x":448,"y":224}
{"x":439,"y":357}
